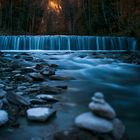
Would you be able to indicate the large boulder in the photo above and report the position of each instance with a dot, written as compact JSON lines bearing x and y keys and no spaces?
{"x":93,"y":123}
{"x":39,"y":114}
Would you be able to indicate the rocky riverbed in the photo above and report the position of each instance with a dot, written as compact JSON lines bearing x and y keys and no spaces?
{"x":41,"y":93}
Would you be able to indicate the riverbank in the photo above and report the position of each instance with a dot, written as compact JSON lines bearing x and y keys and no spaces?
{"x":64,"y":76}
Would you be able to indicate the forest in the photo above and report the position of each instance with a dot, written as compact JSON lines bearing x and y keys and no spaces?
{"x":70,"y":17}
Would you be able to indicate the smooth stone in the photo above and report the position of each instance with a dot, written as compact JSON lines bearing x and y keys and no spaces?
{"x":37,"y":101}
{"x":17,"y":99}
{"x":50,"y":89}
{"x":2,"y":86}
{"x":36,"y":76}
{"x":21,"y":88}
{"x":118,"y":129}
{"x":3,"y":117}
{"x":93,"y":123}
{"x":20,"y":93}
{"x":1,"y":104}
{"x":2,"y":93}
{"x":49,"y":98}
{"x":97,"y":100}
{"x":99,"y":95}
{"x":103,"y":110}
{"x":39,"y":114}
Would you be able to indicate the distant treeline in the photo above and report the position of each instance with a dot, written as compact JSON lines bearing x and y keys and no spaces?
{"x":77,"y":17}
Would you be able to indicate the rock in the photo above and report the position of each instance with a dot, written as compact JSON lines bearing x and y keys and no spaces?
{"x":27,"y":69}
{"x":49,"y":98}
{"x":50,"y":90}
{"x":1,"y":104}
{"x":56,"y":77}
{"x":39,"y":114}
{"x":37,"y":101}
{"x":96,"y":100}
{"x":39,"y":66}
{"x":74,"y":134}
{"x":2,"y":86}
{"x":2,"y":93}
{"x":15,"y":64}
{"x":93,"y":123}
{"x":19,"y":88}
{"x":48,"y":71}
{"x":103,"y":110}
{"x":3,"y":117}
{"x":23,"y":78}
{"x":36,"y":76}
{"x":99,"y":95}
{"x":20,"y":93}
{"x":118,"y":129}
{"x":17,"y":99}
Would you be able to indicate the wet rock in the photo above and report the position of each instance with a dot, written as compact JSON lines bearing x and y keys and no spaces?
{"x":103,"y":110}
{"x":17,"y":99}
{"x":20,"y":93}
{"x":74,"y":134}
{"x":36,"y":76}
{"x":23,"y":78}
{"x":39,"y":66}
{"x":2,"y":93}
{"x":93,"y":123}
{"x":8,"y":88}
{"x":19,"y":88}
{"x":39,"y":114}
{"x":1,"y":104}
{"x":15,"y":64}
{"x":56,"y":77}
{"x":46,"y":89}
{"x":2,"y":86}
{"x":27,"y":69}
{"x":37,"y":101}
{"x":118,"y":129}
{"x":49,"y":98}
{"x":3,"y":117}
{"x":48,"y":71}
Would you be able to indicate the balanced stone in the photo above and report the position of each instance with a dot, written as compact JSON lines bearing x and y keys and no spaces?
{"x":39,"y":114}
{"x":3,"y":117}
{"x":99,"y":95}
{"x":93,"y":123}
{"x":103,"y":110}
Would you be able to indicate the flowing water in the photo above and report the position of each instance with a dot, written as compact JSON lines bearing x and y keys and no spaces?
{"x":120,"y":82}
{"x":67,"y":43}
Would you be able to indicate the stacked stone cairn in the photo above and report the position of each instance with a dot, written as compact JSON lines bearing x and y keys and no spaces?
{"x":101,"y":119}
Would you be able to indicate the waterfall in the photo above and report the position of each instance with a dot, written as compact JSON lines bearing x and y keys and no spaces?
{"x":63,"y":42}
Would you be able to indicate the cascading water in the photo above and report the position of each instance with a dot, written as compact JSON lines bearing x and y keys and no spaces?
{"x":66,"y":43}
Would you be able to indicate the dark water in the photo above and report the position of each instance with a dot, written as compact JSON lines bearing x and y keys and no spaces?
{"x":120,"y":82}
